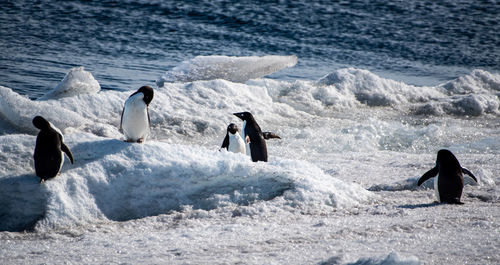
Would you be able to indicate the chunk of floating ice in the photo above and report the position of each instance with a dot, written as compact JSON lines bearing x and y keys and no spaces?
{"x":77,"y":81}
{"x":235,"y":69}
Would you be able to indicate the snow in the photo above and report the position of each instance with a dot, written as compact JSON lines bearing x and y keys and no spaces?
{"x":339,"y":187}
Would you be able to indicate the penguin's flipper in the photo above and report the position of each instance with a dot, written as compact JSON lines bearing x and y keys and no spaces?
{"x":269,"y":135}
{"x":466,"y":171}
{"x":149,"y":120}
{"x":66,"y":150}
{"x":225,"y":143}
{"x":429,"y":174}
{"x":121,"y":119}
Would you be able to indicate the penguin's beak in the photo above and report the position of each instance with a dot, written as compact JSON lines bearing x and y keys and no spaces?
{"x":239,"y":115}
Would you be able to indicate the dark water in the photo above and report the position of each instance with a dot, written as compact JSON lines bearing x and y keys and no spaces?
{"x":126,"y":44}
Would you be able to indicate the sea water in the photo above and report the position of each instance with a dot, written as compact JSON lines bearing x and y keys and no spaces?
{"x":362,"y":94}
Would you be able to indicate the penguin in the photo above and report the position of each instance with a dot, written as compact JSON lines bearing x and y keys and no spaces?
{"x":233,"y":141}
{"x":270,"y":135}
{"x":449,"y":182}
{"x":135,"y":122}
{"x":253,"y":136}
{"x":49,"y":149}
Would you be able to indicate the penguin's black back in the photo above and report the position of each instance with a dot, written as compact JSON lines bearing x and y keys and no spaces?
{"x":258,"y":147}
{"x":451,"y":180}
{"x":48,"y":155}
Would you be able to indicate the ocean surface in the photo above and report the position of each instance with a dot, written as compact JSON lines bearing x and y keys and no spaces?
{"x":362,"y":93}
{"x":129,"y":43}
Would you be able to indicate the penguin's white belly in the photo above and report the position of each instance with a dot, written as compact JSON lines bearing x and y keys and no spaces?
{"x":436,"y":188}
{"x":247,"y":145}
{"x":62,"y":161}
{"x":236,"y":144}
{"x":62,"y":139}
{"x":135,"y":122}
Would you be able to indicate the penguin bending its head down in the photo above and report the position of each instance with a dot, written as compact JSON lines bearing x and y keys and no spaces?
{"x":253,"y":135}
{"x":135,"y":122}
{"x":233,"y":141}
{"x":450,"y":181}
{"x":49,"y":149}
{"x":270,"y":135}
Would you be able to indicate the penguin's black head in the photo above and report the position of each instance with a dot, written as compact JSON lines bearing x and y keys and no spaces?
{"x":232,"y":128}
{"x":148,"y":93}
{"x":246,"y":116}
{"x":40,"y":123}
{"x":446,"y":158}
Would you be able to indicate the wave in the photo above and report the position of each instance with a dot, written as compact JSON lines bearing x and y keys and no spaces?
{"x":115,"y":180}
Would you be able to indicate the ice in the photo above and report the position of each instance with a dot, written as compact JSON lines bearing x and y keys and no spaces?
{"x":77,"y":81}
{"x":391,"y":259}
{"x":201,"y":107}
{"x":115,"y":180}
{"x":339,"y":187}
{"x":478,"y":81}
{"x":235,"y":69}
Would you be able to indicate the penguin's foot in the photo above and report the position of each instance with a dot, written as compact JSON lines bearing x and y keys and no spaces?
{"x":140,"y":140}
{"x":454,"y":201}
{"x":42,"y":181}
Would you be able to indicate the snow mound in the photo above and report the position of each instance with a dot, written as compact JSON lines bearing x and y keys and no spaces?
{"x":235,"y":69}
{"x":205,"y":107}
{"x":372,"y":90}
{"x":77,"y":81}
{"x":470,"y":95}
{"x":19,"y":111}
{"x":478,"y":81}
{"x":115,"y":180}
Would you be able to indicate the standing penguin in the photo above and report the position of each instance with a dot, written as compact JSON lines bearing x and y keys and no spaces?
{"x":135,"y":122}
{"x":233,"y":141}
{"x":49,"y":149}
{"x":449,"y":183}
{"x":253,"y":135}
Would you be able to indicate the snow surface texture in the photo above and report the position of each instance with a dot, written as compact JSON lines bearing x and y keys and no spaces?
{"x":340,"y":187}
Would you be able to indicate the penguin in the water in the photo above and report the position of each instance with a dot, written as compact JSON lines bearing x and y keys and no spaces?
{"x":253,"y":135}
{"x":49,"y":149}
{"x":233,"y":141}
{"x":135,"y":122}
{"x":450,"y":181}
